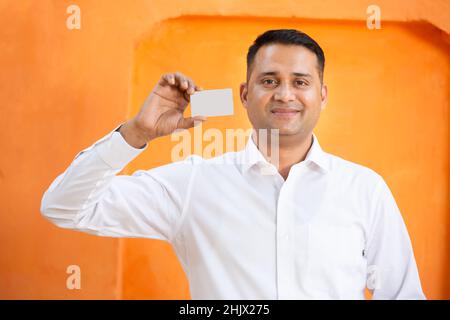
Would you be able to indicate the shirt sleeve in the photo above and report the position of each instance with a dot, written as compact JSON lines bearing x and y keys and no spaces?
{"x":392,"y":269}
{"x":90,"y":197}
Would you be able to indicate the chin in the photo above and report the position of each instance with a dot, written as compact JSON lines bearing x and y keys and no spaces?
{"x":286,"y":131}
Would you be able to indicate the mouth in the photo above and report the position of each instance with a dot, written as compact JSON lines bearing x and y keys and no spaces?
{"x":285,"y":113}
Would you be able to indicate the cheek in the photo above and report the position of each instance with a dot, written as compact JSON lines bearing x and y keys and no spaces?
{"x":260,"y":95}
{"x":258,"y":99}
{"x":310,"y":98}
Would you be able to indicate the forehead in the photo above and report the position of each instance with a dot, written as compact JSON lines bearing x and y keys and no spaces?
{"x":285,"y":58}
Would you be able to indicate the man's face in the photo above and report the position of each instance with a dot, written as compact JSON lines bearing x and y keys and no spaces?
{"x":284,"y":90}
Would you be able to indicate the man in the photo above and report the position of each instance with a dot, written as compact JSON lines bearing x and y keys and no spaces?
{"x":320,"y":227}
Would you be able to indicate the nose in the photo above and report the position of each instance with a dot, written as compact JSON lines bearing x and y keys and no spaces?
{"x":284,"y":93}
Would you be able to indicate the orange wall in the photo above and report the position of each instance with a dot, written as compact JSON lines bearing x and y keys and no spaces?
{"x":61,"y":90}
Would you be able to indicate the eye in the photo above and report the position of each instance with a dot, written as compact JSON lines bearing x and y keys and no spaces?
{"x":269,"y":82}
{"x":301,"y":83}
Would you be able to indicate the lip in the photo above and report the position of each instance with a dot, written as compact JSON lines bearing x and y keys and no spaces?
{"x":284,"y":112}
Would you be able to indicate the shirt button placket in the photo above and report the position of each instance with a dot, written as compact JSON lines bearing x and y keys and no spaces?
{"x":284,"y":253}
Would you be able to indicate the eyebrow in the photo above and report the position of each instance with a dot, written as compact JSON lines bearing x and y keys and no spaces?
{"x":274,"y":73}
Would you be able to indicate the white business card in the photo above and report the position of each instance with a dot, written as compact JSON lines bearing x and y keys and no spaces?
{"x":212,"y":103}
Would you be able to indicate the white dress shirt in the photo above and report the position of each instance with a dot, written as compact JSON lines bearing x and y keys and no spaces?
{"x":329,"y":230}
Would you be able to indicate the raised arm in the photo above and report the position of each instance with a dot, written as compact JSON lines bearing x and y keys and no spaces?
{"x":90,"y":197}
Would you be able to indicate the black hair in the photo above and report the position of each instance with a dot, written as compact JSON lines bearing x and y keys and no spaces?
{"x":287,"y":37}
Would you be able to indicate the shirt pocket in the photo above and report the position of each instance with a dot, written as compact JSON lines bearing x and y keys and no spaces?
{"x":334,"y":247}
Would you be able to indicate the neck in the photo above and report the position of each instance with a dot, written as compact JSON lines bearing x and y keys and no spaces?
{"x":292,"y":150}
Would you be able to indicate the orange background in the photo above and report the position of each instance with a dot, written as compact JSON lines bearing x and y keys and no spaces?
{"x":62,"y":89}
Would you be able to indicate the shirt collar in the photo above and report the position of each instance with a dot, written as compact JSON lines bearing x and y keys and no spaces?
{"x":251,"y":155}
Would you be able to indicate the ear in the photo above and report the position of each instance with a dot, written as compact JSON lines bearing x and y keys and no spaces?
{"x":243,"y":93}
{"x":324,"y":94}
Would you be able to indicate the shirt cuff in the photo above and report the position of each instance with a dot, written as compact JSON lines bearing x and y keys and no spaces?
{"x":115,"y":151}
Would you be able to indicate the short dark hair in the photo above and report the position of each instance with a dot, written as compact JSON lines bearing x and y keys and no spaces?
{"x":287,"y":37}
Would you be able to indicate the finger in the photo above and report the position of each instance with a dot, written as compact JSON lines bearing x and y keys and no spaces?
{"x":186,"y":83}
{"x":186,"y":123}
{"x":168,"y":78}
{"x":187,"y":96}
{"x":182,"y":81}
{"x":191,"y":87}
{"x":190,"y":91}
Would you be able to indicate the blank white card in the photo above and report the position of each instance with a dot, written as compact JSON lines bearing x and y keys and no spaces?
{"x":212,"y":103}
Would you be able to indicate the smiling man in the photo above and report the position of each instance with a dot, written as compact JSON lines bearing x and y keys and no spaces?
{"x":285,"y":91}
{"x":318,"y":227}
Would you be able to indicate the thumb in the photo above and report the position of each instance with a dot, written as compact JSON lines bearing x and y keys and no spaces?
{"x":186,"y":123}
